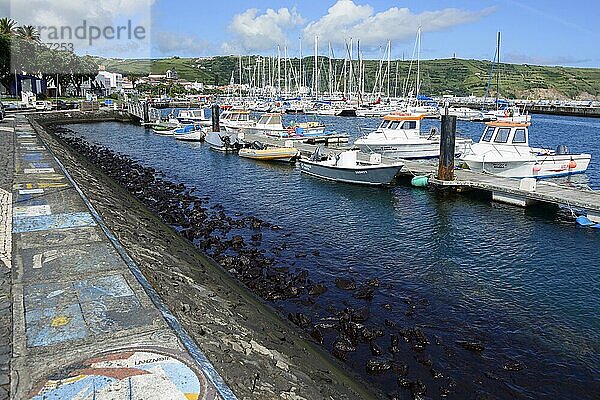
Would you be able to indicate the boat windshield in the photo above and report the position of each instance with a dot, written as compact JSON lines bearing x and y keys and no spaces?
{"x":275,"y":120}
{"x":520,"y":136}
{"x":264,"y":119}
{"x":502,"y":135}
{"x":394,"y":124}
{"x":409,"y":125}
{"x":487,"y":135}
{"x":384,"y":124}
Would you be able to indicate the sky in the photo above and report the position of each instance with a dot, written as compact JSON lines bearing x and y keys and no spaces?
{"x":533,"y":32}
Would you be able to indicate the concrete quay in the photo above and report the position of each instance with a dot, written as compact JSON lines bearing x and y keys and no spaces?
{"x":108,"y":302}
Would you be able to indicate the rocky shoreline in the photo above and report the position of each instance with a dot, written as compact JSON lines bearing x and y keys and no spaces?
{"x":345,"y":330}
{"x":258,"y":353}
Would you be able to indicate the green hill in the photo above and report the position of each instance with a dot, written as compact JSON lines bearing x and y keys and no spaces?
{"x":455,"y":76}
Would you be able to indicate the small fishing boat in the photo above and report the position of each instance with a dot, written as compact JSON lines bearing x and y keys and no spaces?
{"x":271,"y":124}
{"x":259,"y":151}
{"x":345,"y":167}
{"x":194,"y":116}
{"x":167,"y":128}
{"x":234,"y":120}
{"x":190,"y":133}
{"x":226,"y":142}
{"x":399,"y":136}
{"x":504,"y":150}
{"x":466,"y":114}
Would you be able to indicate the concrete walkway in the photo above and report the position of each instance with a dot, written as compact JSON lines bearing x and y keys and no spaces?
{"x":86,"y":323}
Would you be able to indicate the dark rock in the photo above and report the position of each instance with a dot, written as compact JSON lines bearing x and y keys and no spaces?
{"x":345,"y":284}
{"x":344,"y":344}
{"x":375,"y":348}
{"x":365,"y":293}
{"x":394,"y":342}
{"x":379,"y":365}
{"x":471,"y":345}
{"x":360,"y":314}
{"x":317,"y":290}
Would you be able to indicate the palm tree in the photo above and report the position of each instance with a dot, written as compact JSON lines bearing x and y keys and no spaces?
{"x":7,"y":26}
{"x":29,"y":32}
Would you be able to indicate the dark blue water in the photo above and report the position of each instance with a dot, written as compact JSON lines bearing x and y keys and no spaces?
{"x":523,"y":282}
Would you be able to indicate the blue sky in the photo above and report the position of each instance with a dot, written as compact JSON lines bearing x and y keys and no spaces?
{"x":535,"y":32}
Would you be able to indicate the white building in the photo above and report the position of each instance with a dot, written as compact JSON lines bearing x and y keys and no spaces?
{"x":104,"y":84}
{"x":114,"y":80}
{"x":171,"y":74}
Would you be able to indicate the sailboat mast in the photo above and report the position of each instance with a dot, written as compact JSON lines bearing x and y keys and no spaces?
{"x":388,"y":67}
{"x":418,"y":63}
{"x":498,"y":71}
{"x":316,"y":68}
{"x":301,"y":71}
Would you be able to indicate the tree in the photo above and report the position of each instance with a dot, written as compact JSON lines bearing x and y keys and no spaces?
{"x":28,"y":32}
{"x":7,"y":26}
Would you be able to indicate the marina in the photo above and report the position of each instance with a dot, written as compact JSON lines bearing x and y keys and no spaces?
{"x":538,"y":224}
{"x":339,"y":200}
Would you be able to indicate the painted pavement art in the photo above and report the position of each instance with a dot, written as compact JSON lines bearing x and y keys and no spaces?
{"x":129,"y":374}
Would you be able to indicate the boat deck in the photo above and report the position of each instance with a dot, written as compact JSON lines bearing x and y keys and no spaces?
{"x":507,"y":190}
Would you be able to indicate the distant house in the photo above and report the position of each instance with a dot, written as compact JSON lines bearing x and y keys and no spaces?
{"x":104,"y":84}
{"x":171,"y":74}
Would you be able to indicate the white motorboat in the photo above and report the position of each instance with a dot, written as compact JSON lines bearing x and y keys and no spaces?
{"x":346,"y":167}
{"x":166,"y":128}
{"x":226,"y":142}
{"x":399,"y":136}
{"x":466,"y":114}
{"x":194,"y":116}
{"x":271,"y":124}
{"x":234,"y":120}
{"x":504,"y":150}
{"x":190,"y":133}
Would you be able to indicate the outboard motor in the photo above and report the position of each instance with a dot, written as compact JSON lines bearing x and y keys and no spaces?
{"x":562,"y":149}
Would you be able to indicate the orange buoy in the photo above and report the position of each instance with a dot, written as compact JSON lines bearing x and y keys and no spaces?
{"x":572,"y":164}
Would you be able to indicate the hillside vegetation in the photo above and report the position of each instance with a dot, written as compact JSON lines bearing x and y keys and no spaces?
{"x":455,"y":76}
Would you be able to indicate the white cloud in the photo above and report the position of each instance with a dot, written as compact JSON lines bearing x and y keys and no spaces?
{"x":346,"y":19}
{"x":256,"y":32}
{"x":175,"y":44}
{"x":46,"y":14}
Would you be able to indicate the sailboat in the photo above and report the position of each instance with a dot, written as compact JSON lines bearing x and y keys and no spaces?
{"x":506,"y":112}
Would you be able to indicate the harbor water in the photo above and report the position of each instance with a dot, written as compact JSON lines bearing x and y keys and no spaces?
{"x":523,"y":283}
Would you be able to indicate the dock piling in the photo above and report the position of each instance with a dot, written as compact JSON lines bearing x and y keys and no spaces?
{"x":146,"y":113}
{"x":215,"y":118}
{"x":448,"y":134}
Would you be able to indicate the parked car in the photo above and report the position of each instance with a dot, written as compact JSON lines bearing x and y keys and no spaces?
{"x":64,"y":105}
{"x":2,"y":111}
{"x":43,"y":106}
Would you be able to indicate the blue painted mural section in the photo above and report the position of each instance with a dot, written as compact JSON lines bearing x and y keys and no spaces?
{"x":50,"y":222}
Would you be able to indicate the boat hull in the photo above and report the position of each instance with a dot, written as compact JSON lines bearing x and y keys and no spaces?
{"x":408,"y":151}
{"x":217,"y":141}
{"x":369,"y":175}
{"x":549,"y":166}
{"x":275,"y":154}
{"x":195,"y":136}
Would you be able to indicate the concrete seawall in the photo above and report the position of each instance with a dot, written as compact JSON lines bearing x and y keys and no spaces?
{"x":259,"y":354}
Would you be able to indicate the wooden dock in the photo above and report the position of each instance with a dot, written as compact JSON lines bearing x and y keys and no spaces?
{"x":505,"y":190}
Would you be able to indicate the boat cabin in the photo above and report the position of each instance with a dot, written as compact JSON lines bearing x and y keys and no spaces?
{"x":270,"y":119}
{"x":197,"y":114}
{"x":401,"y":122}
{"x":506,"y":133}
{"x":236,"y":115}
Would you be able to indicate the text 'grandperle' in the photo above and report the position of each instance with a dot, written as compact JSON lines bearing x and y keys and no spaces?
{"x":92,"y":33}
